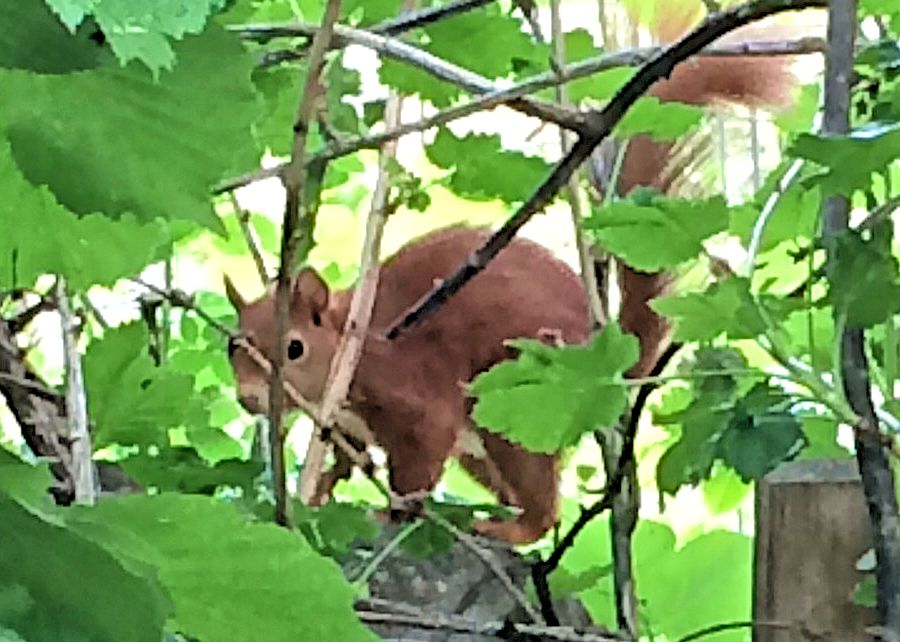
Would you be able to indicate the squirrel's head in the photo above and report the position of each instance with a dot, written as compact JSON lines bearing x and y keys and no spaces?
{"x":313,"y":333}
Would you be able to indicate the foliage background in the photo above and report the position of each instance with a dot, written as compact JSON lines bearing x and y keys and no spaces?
{"x":108,"y":154}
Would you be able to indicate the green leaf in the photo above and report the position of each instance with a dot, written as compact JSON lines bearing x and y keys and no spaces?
{"x":865,"y":593}
{"x":482,"y":169}
{"x":659,"y":120}
{"x":795,"y":216}
{"x":130,"y":401}
{"x":724,"y":491}
{"x":40,"y":43}
{"x":56,"y":585}
{"x":486,"y":41}
{"x":142,"y":146}
{"x":698,"y":569}
{"x":229,"y":580}
{"x":660,"y":233}
{"x":851,"y":160}
{"x":135,"y":33}
{"x":801,"y":115}
{"x":662,"y":570}
{"x":725,"y":307}
{"x":372,"y":11}
{"x":752,"y":432}
{"x":821,"y":439}
{"x":278,"y":88}
{"x":548,"y":397}
{"x":181,"y":469}
{"x":690,"y":459}
{"x":71,"y":248}
{"x":23,"y":482}
{"x":760,"y":435}
{"x":865,"y":282}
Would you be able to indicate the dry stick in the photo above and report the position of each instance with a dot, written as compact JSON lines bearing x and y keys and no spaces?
{"x":500,"y":96}
{"x":349,"y":350}
{"x":600,"y":124}
{"x":294,"y":179}
{"x":76,"y":403}
{"x":874,"y":467}
{"x":243,"y":217}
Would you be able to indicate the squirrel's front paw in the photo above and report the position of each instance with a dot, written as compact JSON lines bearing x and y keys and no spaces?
{"x":408,"y":506}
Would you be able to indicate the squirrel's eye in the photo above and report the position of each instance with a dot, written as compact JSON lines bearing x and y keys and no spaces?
{"x":316,"y":319}
{"x":232,"y":346}
{"x":295,"y":349}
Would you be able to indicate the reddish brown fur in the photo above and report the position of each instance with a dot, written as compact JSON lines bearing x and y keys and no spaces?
{"x":755,"y":81}
{"x":410,"y":392}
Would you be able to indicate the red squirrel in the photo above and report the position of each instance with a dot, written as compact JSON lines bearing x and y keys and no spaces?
{"x":411,"y":392}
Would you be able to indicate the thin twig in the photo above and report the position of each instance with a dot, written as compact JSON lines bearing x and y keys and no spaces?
{"x":600,"y":124}
{"x":500,"y":96}
{"x":378,"y":559}
{"x":424,"y":17}
{"x":294,"y":181}
{"x":427,"y":62}
{"x":541,"y":570}
{"x":490,"y":562}
{"x":243,"y":218}
{"x":79,"y":436}
{"x":356,"y":327}
{"x":182,"y":299}
{"x":874,"y":467}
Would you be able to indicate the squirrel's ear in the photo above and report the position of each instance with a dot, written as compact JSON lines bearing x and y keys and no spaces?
{"x":311,"y":289}
{"x":233,"y":295}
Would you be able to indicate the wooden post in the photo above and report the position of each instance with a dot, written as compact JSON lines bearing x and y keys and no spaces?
{"x":811,"y":528}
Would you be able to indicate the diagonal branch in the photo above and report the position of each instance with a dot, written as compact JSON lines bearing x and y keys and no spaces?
{"x":501,"y":96}
{"x":600,"y":124}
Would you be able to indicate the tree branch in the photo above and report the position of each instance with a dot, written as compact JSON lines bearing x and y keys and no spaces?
{"x":501,"y":96}
{"x":424,"y":17}
{"x":600,"y":124}
{"x":349,"y":350}
{"x":541,"y":570}
{"x":874,"y":467}
{"x":427,"y":62}
{"x":294,"y":180}
{"x":79,"y":436}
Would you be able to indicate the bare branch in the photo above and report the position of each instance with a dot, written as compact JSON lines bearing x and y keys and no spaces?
{"x":243,"y":217}
{"x":79,"y":436}
{"x":423,"y":17}
{"x":874,"y":467}
{"x":294,"y":180}
{"x":600,"y":124}
{"x":349,"y":350}
{"x":431,"y":64}
{"x":501,"y":96}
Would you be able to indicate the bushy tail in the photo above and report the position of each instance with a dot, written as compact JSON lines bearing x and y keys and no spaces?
{"x":765,"y":82}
